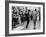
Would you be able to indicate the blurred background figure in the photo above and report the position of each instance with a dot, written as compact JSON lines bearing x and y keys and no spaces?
{"x":38,"y":19}
{"x":14,"y":17}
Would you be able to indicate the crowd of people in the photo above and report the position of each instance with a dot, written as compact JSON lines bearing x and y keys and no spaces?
{"x":20,"y":15}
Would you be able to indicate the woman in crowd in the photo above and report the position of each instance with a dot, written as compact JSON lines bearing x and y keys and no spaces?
{"x":31,"y":24}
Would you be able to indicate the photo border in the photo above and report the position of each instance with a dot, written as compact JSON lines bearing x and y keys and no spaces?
{"x":7,"y":17}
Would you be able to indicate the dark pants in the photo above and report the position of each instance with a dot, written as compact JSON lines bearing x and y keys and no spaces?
{"x":27,"y":23}
{"x":27,"y":19}
{"x":14,"y":22}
